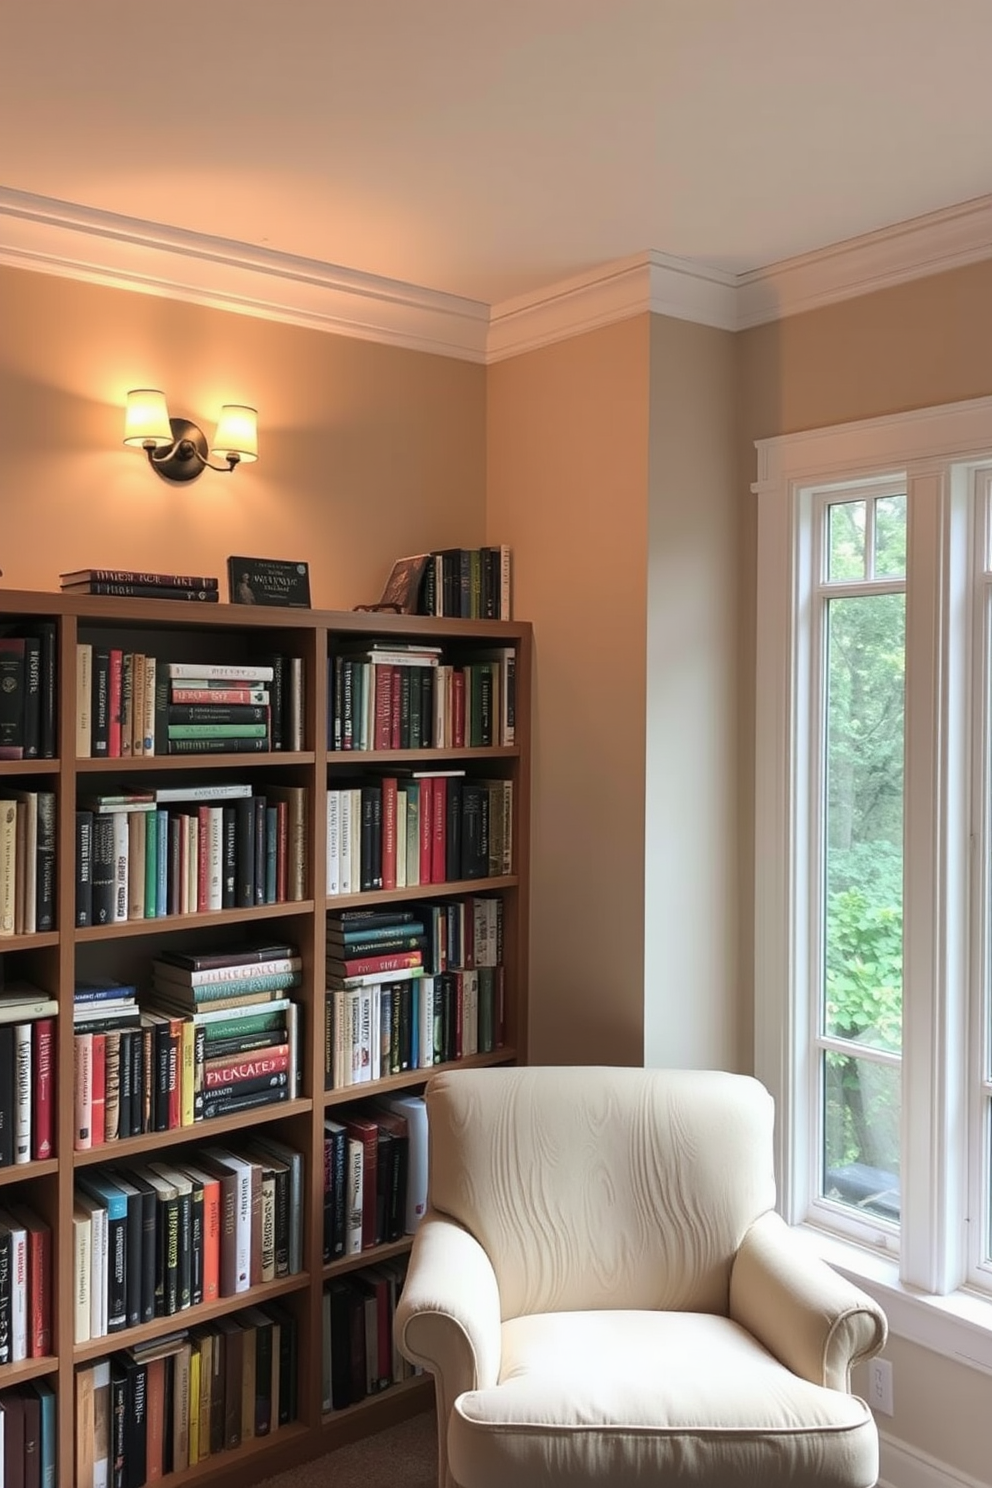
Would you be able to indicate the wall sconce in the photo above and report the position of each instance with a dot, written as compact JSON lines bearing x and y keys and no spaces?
{"x":177,"y":448}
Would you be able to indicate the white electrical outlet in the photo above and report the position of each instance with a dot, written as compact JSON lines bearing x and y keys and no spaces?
{"x":880,"y":1386}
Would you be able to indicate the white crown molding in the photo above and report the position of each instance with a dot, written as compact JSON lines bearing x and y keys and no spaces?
{"x":932,"y":244}
{"x":126,"y":253}
{"x":615,"y":291}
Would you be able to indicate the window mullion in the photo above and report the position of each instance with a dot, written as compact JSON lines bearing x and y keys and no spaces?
{"x":935,"y":886}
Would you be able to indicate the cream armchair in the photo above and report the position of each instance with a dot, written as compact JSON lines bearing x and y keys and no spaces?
{"x":604,"y":1293}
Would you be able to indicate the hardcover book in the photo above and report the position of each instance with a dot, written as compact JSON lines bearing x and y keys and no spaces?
{"x":268,"y":581}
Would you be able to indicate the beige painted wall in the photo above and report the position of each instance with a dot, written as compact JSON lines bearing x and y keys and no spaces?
{"x":692,"y":975}
{"x":923,"y":343}
{"x":366,"y":451}
{"x":567,"y":488}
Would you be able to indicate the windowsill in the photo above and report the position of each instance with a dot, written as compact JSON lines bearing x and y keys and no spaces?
{"x":958,"y":1326}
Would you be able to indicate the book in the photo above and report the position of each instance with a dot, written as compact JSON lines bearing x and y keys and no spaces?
{"x":141,"y":591}
{"x":268,"y":581}
{"x":132,"y":576}
{"x":401,"y":591}
{"x":12,"y":685}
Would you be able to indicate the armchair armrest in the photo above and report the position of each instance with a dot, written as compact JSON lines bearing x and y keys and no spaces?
{"x":448,"y":1315}
{"x":814,"y":1321}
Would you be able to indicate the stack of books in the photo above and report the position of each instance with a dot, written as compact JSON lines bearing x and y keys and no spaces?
{"x":126,"y":583}
{"x":218,"y":709}
{"x":232,"y":1008}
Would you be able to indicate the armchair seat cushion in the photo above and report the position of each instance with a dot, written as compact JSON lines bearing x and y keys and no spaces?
{"x":638,"y":1397}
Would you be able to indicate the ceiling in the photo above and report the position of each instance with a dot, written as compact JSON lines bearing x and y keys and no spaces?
{"x":489,"y":148}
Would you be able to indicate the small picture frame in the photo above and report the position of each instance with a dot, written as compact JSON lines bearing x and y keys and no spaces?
{"x":268,"y":581}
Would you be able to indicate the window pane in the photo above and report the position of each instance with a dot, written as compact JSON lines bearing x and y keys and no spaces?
{"x":890,"y":537}
{"x":846,"y":540}
{"x":861,"y":1134}
{"x":862,"y":932}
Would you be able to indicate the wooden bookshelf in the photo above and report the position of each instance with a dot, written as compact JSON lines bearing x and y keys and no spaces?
{"x":52,"y":960}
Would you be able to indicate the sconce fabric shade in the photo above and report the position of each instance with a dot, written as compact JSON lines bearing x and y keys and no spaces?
{"x":237,"y":433}
{"x":146,"y":420}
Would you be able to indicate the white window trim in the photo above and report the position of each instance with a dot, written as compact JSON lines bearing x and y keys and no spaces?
{"x":926,"y":444}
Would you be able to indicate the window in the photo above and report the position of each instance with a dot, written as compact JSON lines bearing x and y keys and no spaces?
{"x":873,"y":870}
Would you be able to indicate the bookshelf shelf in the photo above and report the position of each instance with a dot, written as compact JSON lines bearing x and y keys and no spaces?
{"x":421,"y":1388}
{"x":310,"y":643}
{"x":170,"y":764}
{"x":350,"y":758}
{"x":28,"y":1369}
{"x":24,"y":1172}
{"x":367,"y":1257}
{"x":13,"y":768}
{"x":376,"y":897}
{"x":411,"y":1078}
{"x":197,"y":1134}
{"x":190,"y":1316}
{"x":29,"y":942}
{"x":127,"y":929}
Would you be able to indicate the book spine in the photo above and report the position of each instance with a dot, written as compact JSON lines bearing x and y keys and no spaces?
{"x":227,"y":1071}
{"x":230,"y":1105}
{"x":82,"y":1044}
{"x":205,"y":745}
{"x":84,"y":699}
{"x":32,"y":697}
{"x":219,"y":671}
{"x":132,"y":576}
{"x":43,"y":1095}
{"x":22,"y":1092}
{"x":215,"y":697}
{"x":100,"y":709}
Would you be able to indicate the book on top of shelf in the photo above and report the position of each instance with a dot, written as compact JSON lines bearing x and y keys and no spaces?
{"x":142,"y":591}
{"x":402,"y":588}
{"x":133,"y":576}
{"x":247,"y":953}
{"x":268,"y":581}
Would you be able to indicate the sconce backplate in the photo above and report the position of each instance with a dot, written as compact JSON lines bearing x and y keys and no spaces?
{"x":188,"y":457}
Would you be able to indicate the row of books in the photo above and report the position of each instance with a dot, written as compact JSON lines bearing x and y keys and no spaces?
{"x":147,"y":854}
{"x":398,"y":830}
{"x":411,"y":1022}
{"x":27,"y":861}
{"x":133,"y":705}
{"x":27,"y":691}
{"x":451,"y":935}
{"x":155,"y":1239}
{"x":27,"y":1076}
{"x":396,"y":696}
{"x":359,"y":1356}
{"x":470,"y":583}
{"x":27,"y":1436}
{"x":375,"y":1173}
{"x":25,"y":1285}
{"x":161,"y":1407}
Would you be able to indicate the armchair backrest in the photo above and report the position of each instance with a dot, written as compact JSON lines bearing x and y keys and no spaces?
{"x":602,"y":1187}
